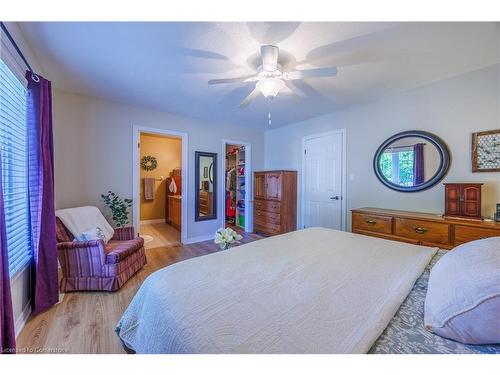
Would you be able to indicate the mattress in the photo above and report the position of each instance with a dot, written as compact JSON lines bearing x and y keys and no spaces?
{"x":406,"y":333}
{"x":311,"y":291}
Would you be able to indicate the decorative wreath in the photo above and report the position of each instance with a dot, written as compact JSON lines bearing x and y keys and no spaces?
{"x":149,"y":163}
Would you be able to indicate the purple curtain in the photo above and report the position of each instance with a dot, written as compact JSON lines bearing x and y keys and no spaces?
{"x":418,"y":164}
{"x":45,"y":291}
{"x":7,"y":331}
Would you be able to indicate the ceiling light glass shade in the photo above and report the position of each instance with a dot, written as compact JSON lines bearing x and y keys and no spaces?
{"x":269,"y":87}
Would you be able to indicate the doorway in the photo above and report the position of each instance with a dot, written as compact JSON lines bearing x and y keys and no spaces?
{"x":159,"y":207}
{"x":323,"y":181}
{"x":237,"y":186}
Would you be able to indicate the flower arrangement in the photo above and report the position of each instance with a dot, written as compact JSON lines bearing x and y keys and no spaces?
{"x":225,"y":237}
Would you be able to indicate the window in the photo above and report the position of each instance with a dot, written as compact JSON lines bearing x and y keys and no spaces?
{"x":14,"y":147}
{"x":397,"y":166}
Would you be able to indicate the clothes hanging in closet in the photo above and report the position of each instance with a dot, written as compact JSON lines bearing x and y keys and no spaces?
{"x":231,"y":179}
{"x":231,"y":193}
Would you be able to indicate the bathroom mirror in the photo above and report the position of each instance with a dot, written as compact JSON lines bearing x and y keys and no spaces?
{"x":411,"y":161}
{"x":206,"y":186}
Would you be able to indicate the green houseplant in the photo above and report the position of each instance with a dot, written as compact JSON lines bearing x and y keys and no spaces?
{"x":118,"y":206}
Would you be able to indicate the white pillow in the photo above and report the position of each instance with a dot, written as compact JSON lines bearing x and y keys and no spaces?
{"x":463,"y":295}
{"x":93,"y":234}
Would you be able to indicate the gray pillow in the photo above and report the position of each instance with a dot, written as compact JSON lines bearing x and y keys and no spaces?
{"x":463,"y":295}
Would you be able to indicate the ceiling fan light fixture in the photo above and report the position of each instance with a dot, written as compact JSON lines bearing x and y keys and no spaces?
{"x":270,"y":87}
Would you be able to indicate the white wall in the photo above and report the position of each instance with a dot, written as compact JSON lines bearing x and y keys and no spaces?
{"x":452,"y":109}
{"x":93,"y":150}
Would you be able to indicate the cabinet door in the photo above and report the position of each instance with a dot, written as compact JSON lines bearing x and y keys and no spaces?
{"x":259,"y":186}
{"x":452,"y":200}
{"x":273,"y":186}
{"x":470,"y":201}
{"x":170,"y":209}
{"x":176,"y":214}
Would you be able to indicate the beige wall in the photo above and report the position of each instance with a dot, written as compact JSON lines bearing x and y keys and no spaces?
{"x":452,"y":109}
{"x":168,"y":153}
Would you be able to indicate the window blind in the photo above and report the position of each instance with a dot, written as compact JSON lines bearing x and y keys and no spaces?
{"x":14,"y":147}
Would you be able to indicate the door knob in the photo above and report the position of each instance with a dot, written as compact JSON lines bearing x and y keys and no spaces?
{"x":335,"y":198}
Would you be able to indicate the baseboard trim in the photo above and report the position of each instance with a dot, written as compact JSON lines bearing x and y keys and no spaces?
{"x":23,"y":318}
{"x":152,"y":221}
{"x":199,"y":239}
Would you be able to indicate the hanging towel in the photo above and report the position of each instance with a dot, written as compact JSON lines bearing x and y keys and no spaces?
{"x":149,"y":188}
{"x":173,"y":186}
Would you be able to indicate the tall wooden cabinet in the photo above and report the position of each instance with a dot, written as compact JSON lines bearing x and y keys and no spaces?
{"x":275,"y":202}
{"x":463,"y":200}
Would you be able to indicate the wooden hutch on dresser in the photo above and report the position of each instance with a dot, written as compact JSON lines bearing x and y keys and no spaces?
{"x":420,"y":228}
{"x":462,"y":200}
{"x":275,"y":202}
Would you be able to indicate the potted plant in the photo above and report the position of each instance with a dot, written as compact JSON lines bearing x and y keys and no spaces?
{"x":118,"y":206}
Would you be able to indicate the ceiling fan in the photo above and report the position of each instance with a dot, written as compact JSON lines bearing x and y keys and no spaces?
{"x":270,"y":77}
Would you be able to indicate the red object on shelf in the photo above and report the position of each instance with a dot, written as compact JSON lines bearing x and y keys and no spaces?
{"x":230,"y":209}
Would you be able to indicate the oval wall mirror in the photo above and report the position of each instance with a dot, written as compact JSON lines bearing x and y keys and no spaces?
{"x":411,"y":161}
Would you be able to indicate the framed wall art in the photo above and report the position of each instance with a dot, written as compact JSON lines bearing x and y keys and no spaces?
{"x":486,"y":151}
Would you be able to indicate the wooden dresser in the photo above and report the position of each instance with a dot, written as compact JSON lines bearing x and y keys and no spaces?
{"x":275,"y":202}
{"x":420,"y":228}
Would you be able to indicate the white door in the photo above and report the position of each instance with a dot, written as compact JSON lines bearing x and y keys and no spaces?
{"x":323,"y":181}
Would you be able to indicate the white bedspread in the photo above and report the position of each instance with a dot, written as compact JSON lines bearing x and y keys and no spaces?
{"x":311,"y":291}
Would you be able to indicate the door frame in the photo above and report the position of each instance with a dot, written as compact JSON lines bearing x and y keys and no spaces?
{"x":248,"y":184}
{"x":343,"y":201}
{"x":136,"y":183}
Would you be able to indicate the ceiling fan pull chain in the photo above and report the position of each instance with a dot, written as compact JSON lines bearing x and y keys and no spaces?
{"x":269,"y":110}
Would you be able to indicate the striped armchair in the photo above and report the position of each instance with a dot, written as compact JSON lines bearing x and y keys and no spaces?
{"x":93,"y":265}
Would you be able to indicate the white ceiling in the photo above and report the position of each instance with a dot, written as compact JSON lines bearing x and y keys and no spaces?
{"x":166,"y":65}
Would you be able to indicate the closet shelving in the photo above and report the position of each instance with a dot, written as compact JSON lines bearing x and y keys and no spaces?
{"x":235,"y":184}
{"x":240,"y":187}
{"x":230,"y":165}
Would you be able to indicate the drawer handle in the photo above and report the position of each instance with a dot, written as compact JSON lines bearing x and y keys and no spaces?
{"x":371,"y":222}
{"x":420,"y":230}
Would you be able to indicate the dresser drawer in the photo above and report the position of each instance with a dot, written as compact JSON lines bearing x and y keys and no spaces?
{"x":267,"y":228}
{"x":265,"y":217}
{"x":465,"y":234}
{"x":425,"y":231}
{"x":269,"y":206}
{"x":372,"y":223}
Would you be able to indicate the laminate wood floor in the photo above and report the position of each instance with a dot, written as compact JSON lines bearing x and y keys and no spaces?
{"x":84,"y":322}
{"x":163,"y":235}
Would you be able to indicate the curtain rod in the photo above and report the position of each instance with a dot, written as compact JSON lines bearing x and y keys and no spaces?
{"x":388,"y":148}
{"x":4,"y":29}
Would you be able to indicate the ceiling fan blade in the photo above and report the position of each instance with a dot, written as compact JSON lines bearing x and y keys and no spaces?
{"x":311,"y":73}
{"x":295,"y":90}
{"x":269,"y":57}
{"x":232,"y":80}
{"x":249,"y":98}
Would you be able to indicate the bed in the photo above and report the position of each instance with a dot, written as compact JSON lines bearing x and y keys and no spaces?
{"x":311,"y":291}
